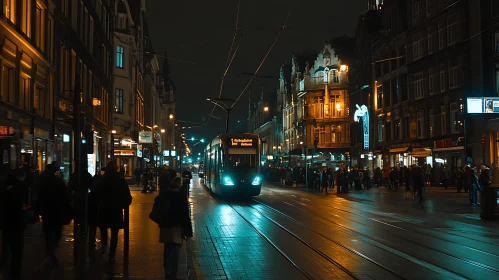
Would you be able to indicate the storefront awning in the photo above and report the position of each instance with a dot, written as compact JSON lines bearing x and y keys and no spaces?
{"x":399,"y":150}
{"x":458,"y":148}
{"x":377,"y":152}
{"x":420,"y":152}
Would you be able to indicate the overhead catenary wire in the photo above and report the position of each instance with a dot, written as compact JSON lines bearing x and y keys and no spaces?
{"x":263,"y":60}
{"x":230,"y":58}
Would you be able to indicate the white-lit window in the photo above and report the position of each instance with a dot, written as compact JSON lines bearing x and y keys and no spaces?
{"x":454,"y":118}
{"x":431,"y":123}
{"x":452,"y":29}
{"x":420,"y":124}
{"x":120,"y":51}
{"x":453,"y":74}
{"x":26,"y":17}
{"x":442,"y":78}
{"x":417,"y":47}
{"x":443,"y":119}
{"x":418,"y":85}
{"x":10,"y":10}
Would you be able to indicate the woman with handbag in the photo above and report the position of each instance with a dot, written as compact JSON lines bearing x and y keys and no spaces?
{"x":171,"y":212}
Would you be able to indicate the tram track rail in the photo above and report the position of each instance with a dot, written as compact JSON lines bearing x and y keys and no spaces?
{"x":404,"y":229}
{"x":320,"y":253}
{"x":376,"y":240}
{"x":386,"y":248}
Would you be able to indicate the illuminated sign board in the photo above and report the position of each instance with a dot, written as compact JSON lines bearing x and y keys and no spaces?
{"x":482,"y":105}
{"x":124,"y":152}
{"x":363,"y":113}
{"x":242,"y":142}
{"x":145,"y":137}
{"x":4,"y":131}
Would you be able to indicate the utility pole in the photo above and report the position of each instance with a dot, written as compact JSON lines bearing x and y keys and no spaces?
{"x":222,"y":103}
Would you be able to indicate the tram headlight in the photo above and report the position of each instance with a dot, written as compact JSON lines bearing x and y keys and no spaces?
{"x":228,"y":181}
{"x":256,"y":181}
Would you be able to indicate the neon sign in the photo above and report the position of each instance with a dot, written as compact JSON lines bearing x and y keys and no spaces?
{"x":241,"y":142}
{"x":363,"y":113}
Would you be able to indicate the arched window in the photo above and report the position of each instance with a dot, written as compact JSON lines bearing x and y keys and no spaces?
{"x":334,"y":77}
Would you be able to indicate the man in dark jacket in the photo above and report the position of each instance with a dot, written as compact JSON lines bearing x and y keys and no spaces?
{"x":13,"y":198}
{"x":54,"y":206}
{"x":112,"y":196}
{"x":175,"y":225}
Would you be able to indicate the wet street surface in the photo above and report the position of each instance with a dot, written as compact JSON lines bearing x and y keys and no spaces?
{"x":288,"y":233}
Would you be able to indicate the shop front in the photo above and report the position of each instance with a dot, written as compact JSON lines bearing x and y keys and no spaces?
{"x":62,"y":150}
{"x":8,"y":146}
{"x":43,"y":148}
{"x":420,"y":156}
{"x":125,"y":159}
{"x":448,"y":153}
{"x":397,"y":157}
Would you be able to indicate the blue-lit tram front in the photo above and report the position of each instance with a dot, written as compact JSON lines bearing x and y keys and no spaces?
{"x":232,"y":164}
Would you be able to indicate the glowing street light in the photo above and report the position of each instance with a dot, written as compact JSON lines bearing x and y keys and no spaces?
{"x":171,"y":116}
{"x":266,"y":108}
{"x":163,"y":130}
{"x":113,"y":131}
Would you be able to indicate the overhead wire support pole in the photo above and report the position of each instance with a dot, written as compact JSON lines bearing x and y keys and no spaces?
{"x":219,"y":102}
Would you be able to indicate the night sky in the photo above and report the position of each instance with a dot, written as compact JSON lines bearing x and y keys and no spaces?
{"x":201,"y":32}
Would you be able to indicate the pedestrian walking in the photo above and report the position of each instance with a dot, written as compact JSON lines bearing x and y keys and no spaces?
{"x":174,"y":223}
{"x":13,"y":199}
{"x":54,"y":206}
{"x":112,"y":197}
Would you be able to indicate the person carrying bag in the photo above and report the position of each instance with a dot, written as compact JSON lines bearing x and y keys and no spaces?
{"x":171,"y":213}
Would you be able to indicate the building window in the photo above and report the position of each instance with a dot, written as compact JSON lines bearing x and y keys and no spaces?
{"x":323,"y":136}
{"x":91,"y":35}
{"x":388,"y":131}
{"x":380,"y":96}
{"x":405,"y":128}
{"x":403,"y":88}
{"x":119,"y":101}
{"x":395,"y":91}
{"x":380,"y":131}
{"x":496,"y":41}
{"x":454,"y":118}
{"x":452,"y":29}
{"x":420,"y":124}
{"x":24,"y":94}
{"x":335,"y":78}
{"x":50,"y":38}
{"x":417,"y":47}
{"x":453,"y":72}
{"x":39,"y":101}
{"x":441,"y":35}
{"x":64,"y":8}
{"x":442,"y":78}
{"x":396,"y":131}
{"x":431,"y":123}
{"x":120,"y":51}
{"x":430,"y":42}
{"x":497,"y":79}
{"x":26,"y":17}
{"x":10,"y":10}
{"x":416,"y":12}
{"x":431,"y":82}
{"x":39,"y":27}
{"x":8,"y":94}
{"x":443,"y":119}
{"x":418,"y":86}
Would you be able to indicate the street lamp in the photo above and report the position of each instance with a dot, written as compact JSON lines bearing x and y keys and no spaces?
{"x":266,"y":109}
{"x":113,"y":131}
{"x":163,"y":130}
{"x":171,"y":116}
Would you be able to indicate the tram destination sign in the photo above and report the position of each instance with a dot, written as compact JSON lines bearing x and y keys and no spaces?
{"x":242,"y":142}
{"x":482,"y":105}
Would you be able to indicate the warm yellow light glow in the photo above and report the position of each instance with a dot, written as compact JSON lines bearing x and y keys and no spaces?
{"x":338,"y":106}
{"x":343,"y":68}
{"x":155,"y":126}
{"x":113,"y":131}
{"x":301,"y":142}
{"x":171,"y":116}
{"x":96,"y":102}
{"x":163,"y":130}
{"x":266,"y":109}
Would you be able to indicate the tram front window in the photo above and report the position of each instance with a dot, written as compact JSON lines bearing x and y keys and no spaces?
{"x":242,"y":162}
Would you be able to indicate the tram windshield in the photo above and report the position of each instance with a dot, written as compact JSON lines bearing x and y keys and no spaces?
{"x":241,"y":162}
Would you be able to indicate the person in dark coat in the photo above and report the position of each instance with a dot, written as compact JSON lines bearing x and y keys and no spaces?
{"x":112,"y":197}
{"x":175,"y":225}
{"x":54,"y":206}
{"x":13,"y":199}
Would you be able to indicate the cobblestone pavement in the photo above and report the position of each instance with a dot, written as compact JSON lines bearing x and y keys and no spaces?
{"x":289,"y":233}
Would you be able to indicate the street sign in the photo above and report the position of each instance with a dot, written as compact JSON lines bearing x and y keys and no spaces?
{"x":145,"y":137}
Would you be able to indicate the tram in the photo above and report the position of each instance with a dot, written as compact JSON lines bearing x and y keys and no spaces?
{"x":232,"y":165}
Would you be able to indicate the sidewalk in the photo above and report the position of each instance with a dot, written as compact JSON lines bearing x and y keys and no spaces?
{"x":146,"y":253}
